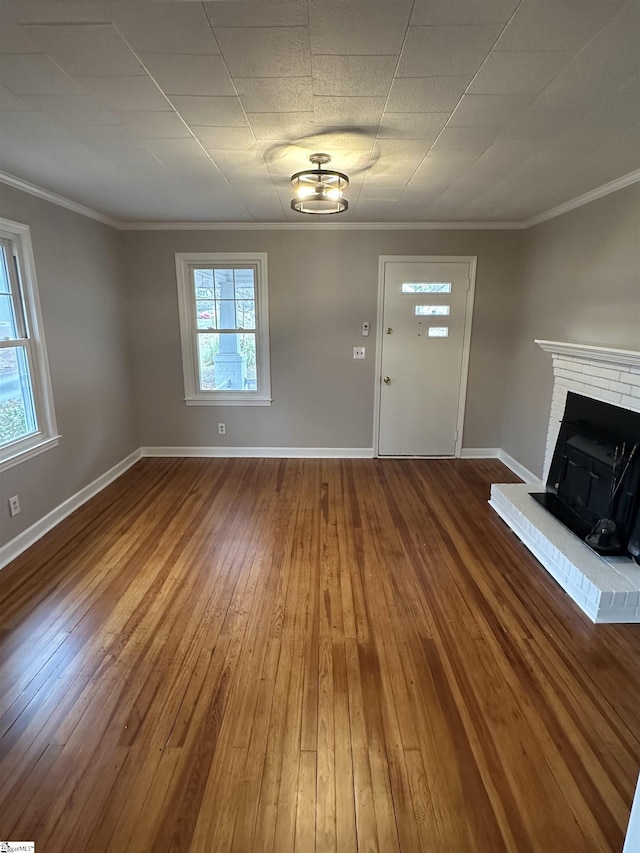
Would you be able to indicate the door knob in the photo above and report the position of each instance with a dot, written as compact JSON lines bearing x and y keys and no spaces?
{"x":389,"y":330}
{"x":386,"y":380}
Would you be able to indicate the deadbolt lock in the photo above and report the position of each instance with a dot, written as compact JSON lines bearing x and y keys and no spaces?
{"x":386,"y":380}
{"x":389,"y":331}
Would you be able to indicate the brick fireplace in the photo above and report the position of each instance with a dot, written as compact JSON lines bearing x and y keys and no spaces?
{"x":608,"y":590}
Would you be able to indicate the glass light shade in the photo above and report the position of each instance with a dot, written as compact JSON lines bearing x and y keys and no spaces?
{"x":319,"y":190}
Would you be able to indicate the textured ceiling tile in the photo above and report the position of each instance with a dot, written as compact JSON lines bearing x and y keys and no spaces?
{"x":257,"y":13}
{"x":556,"y":26}
{"x":584,"y":92}
{"x":348,"y":112}
{"x":488,"y":110}
{"x":211,"y":112}
{"x":275,"y":95}
{"x":615,"y":50}
{"x":352,"y":75}
{"x":540,"y":125}
{"x":13,"y":39}
{"x":277,"y":125}
{"x":165,"y":27}
{"x":584,"y":136}
{"x":426,"y":94}
{"x":9,"y":101}
{"x":621,"y":110}
{"x":148,"y":125}
{"x":35,"y":74}
{"x":72,"y":110}
{"x":265,"y":51}
{"x":31,"y":126}
{"x":445,"y":51}
{"x":106,"y":136}
{"x":126,"y":93}
{"x":171,"y":150}
{"x":225,"y":137}
{"x":476,"y":139}
{"x":356,"y":139}
{"x":183,"y":74}
{"x":412,"y":125}
{"x":86,"y":50}
{"x":629,"y":13}
{"x":359,"y":27}
{"x":518,"y":73}
{"x":452,"y":12}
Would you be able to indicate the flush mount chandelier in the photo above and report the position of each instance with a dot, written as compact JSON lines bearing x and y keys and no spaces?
{"x":319,"y":190}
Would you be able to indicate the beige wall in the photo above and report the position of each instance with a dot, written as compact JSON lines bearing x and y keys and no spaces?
{"x":580,"y":283}
{"x":322,"y":286}
{"x":81,"y":285}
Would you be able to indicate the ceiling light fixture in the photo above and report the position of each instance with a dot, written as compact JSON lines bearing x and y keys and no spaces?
{"x":319,"y":190}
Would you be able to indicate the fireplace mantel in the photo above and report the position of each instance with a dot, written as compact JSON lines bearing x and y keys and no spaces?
{"x":592,"y":353}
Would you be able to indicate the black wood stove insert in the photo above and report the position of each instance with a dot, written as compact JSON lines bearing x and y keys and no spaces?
{"x":593,"y":486}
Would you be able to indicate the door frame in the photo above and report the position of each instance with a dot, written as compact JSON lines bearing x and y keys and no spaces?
{"x":472,"y":263}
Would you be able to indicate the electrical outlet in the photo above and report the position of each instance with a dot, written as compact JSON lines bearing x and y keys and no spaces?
{"x":359,"y":352}
{"x":222,"y":429}
{"x":14,"y":506}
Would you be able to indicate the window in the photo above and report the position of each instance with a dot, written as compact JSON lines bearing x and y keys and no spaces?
{"x":27,"y":420}
{"x":432,"y":310}
{"x":426,"y":287}
{"x":224,"y":324}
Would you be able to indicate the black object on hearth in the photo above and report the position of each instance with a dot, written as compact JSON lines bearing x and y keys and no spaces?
{"x":593,"y":486}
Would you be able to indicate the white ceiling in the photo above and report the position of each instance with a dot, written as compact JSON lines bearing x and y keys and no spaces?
{"x":439,"y":110}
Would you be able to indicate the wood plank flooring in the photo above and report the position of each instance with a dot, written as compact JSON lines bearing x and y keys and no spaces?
{"x":309,"y":655}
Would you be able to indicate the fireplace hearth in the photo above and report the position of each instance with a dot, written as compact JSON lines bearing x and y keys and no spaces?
{"x":593,"y":486}
{"x":606,"y":587}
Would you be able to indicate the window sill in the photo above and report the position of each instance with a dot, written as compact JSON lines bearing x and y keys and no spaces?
{"x":28,"y":452}
{"x":199,"y":401}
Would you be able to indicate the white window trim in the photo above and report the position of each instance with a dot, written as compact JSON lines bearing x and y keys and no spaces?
{"x":193,"y":395}
{"x":47,"y":435}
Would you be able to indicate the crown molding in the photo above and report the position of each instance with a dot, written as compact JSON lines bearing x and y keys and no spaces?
{"x":593,"y":353}
{"x":592,"y":195}
{"x":124,"y":225}
{"x":315,"y":226}
{"x":54,"y":198}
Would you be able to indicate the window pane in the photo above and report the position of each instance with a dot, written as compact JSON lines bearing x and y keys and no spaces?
{"x":432,"y":310}
{"x":439,"y":332}
{"x":245,"y":284}
{"x":426,"y":287}
{"x":17,"y":413}
{"x":7,"y":319}
{"x":246,"y":313}
{"x":224,"y":284}
{"x":206,"y":313}
{"x":227,"y":362}
{"x":226,"y":310}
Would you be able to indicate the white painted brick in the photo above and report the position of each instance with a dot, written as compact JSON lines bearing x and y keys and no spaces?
{"x":632,"y":403}
{"x":633,"y":599}
{"x":619,"y":599}
{"x":606,"y":599}
{"x":620,"y":387}
{"x":596,"y":382}
{"x":632,"y":378}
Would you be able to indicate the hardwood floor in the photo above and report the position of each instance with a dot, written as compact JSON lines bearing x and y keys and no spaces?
{"x":329,"y":655}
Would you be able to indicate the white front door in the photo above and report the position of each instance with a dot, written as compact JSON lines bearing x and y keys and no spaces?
{"x":423,"y":359}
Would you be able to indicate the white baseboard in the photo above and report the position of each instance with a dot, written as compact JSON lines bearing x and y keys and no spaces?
{"x":505,"y":458}
{"x":265,"y":452}
{"x":519,"y":469}
{"x":480,"y":453}
{"x":31,"y":535}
